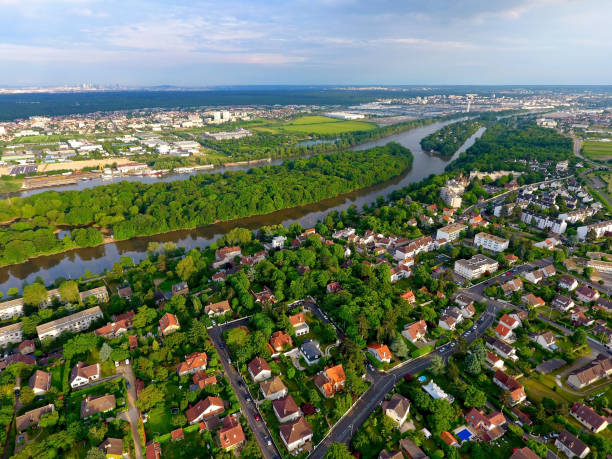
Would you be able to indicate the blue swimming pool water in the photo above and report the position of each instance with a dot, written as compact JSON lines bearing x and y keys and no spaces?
{"x":422,"y":378}
{"x":464,"y":435}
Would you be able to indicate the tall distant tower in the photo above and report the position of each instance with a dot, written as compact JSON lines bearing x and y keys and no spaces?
{"x":469,"y":105}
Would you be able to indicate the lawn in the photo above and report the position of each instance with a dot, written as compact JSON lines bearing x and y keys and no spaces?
{"x":159,"y":421}
{"x":9,"y":185}
{"x":193,"y":445}
{"x":320,"y":125}
{"x":538,"y":387}
{"x":597,"y":150}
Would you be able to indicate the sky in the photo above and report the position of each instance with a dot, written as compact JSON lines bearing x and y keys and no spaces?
{"x":304,"y":42}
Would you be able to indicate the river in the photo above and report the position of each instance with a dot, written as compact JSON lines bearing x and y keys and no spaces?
{"x":72,"y":264}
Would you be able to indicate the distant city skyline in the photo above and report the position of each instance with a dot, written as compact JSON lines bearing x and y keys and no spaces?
{"x":295,"y":42}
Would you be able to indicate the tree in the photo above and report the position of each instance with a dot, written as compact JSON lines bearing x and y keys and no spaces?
{"x":49,"y":419}
{"x":69,"y":292}
{"x":149,"y":397}
{"x":437,"y":366}
{"x":35,"y":294}
{"x":539,"y":448}
{"x":95,"y":453}
{"x":197,"y":332}
{"x":186,"y":268}
{"x":144,"y":317}
{"x":26,"y":395}
{"x":472,"y":364}
{"x":399,"y":348}
{"x":338,"y":451}
{"x":579,"y":338}
{"x":97,"y":433}
{"x":179,"y":420}
{"x":475,"y":398}
{"x":441,"y":416}
{"x":105,"y":351}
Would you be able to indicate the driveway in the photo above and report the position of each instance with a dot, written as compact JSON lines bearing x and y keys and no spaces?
{"x":132,"y":415}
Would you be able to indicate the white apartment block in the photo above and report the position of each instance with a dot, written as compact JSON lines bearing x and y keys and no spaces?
{"x":74,"y":323}
{"x":598,"y":228}
{"x":450,"y":232}
{"x":10,"y":309}
{"x":545,"y":223}
{"x":475,"y":266}
{"x":491,"y":242}
{"x":451,"y":196}
{"x":100,"y":293}
{"x":11,"y":334}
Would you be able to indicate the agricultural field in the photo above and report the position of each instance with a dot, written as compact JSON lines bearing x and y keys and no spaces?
{"x":321,"y":125}
{"x":597,"y":150}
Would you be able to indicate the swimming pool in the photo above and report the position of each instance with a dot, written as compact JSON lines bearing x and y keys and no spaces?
{"x":422,"y":378}
{"x":464,"y":434}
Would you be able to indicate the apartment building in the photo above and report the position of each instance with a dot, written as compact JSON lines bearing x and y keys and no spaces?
{"x":450,"y":232}
{"x":491,"y":242}
{"x":76,"y":322}
{"x":475,"y":267}
{"x":10,"y":309}
{"x":11,"y":334}
{"x":100,"y":293}
{"x":599,"y":229}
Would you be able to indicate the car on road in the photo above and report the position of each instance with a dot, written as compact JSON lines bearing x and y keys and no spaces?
{"x":268,"y":441}
{"x":257,"y":417}
{"x":229,"y":360}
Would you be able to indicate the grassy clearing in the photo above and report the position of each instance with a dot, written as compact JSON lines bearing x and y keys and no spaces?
{"x":317,"y":125}
{"x":597,"y":150}
{"x":159,"y":421}
{"x":540,"y":386}
{"x":10,"y":185}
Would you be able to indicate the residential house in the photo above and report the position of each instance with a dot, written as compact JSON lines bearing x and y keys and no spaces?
{"x":280,"y":341}
{"x":32,"y":417}
{"x":112,"y":448}
{"x":511,"y":322}
{"x":586,"y":294}
{"x":408,"y":296}
{"x":562,"y":303}
{"x":125,"y":293}
{"x":600,"y":367}
{"x":259,"y":369}
{"x":450,"y":318}
{"x":534,"y":276}
{"x":202,"y":379}
{"x":206,"y":408}
{"x":40,"y":382}
{"x":180,"y":289}
{"x":490,"y":423}
{"x":333,"y":287}
{"x":386,"y":454}
{"x":311,"y":351}
{"x":546,"y":340}
{"x":524,"y":453}
{"x":380,"y":352}
{"x":295,"y":434}
{"x":571,"y":445}
{"x":226,"y":255}
{"x":193,"y":363}
{"x":568,"y":283}
{"x":504,"y":333}
{"x":168,"y":324}
{"x":230,"y":435}
{"x":330,"y":380}
{"x":27,"y":347}
{"x":298,"y":321}
{"x":534,"y":301}
{"x":82,"y":374}
{"x":494,"y":361}
{"x":415,"y":331}
{"x":514,"y":285}
{"x":588,"y":417}
{"x":265,"y":296}
{"x":506,"y":382}
{"x":114,"y":329}
{"x":285,"y":409}
{"x":450,"y":232}
{"x":436,"y":392}
{"x":153,"y":450}
{"x":448,"y":438}
{"x":94,"y":405}
{"x":398,"y":273}
{"x":397,"y":408}
{"x":273,"y":388}
{"x":411,"y":450}
{"x":217,"y":309}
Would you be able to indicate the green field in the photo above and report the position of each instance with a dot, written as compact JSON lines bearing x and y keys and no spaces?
{"x":318,"y":125}
{"x":597,"y":150}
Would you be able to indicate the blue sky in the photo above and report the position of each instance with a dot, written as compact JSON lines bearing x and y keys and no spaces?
{"x":227,"y":42}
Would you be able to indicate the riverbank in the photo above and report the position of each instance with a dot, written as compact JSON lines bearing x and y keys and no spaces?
{"x":74,"y":263}
{"x":199,"y":202}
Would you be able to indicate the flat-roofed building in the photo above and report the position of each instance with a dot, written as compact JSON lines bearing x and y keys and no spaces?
{"x":450,"y":232}
{"x":491,"y":242}
{"x":476,"y":266}
{"x":76,"y":322}
{"x":100,"y":293}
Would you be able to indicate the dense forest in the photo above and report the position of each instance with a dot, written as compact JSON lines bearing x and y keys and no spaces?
{"x":447,"y":140}
{"x":511,"y":144}
{"x":131,"y":209}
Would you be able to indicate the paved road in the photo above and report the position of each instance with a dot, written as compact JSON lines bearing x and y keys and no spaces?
{"x":249,"y":408}
{"x":132,"y":415}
